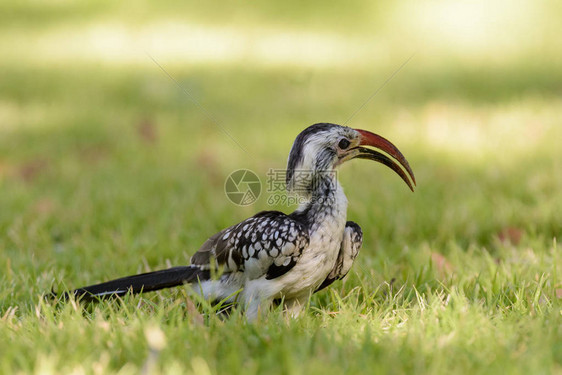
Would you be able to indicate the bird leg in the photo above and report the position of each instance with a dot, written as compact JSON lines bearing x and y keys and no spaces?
{"x":295,"y":306}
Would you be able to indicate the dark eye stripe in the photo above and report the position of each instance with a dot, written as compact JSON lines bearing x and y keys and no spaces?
{"x":344,"y":143}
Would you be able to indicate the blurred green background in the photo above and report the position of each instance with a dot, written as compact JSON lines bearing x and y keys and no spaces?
{"x":96,"y":140}
{"x":108,"y":166}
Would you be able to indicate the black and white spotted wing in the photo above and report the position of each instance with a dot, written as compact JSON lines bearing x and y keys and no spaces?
{"x":269,"y":243}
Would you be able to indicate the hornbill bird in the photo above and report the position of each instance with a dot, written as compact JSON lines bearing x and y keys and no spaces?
{"x":273,"y":256}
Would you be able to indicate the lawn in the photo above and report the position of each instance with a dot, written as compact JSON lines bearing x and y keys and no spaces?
{"x":120,"y":122}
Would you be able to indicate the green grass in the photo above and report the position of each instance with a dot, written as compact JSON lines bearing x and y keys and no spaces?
{"x":107,"y":169}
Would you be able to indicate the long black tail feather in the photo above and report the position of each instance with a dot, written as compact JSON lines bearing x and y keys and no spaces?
{"x":144,"y":282}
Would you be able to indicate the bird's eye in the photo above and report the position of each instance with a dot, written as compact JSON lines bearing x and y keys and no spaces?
{"x":344,"y":143}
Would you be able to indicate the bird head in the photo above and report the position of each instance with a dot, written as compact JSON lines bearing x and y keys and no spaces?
{"x":323,"y":147}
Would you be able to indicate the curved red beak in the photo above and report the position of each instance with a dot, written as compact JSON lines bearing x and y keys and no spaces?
{"x":398,"y":165}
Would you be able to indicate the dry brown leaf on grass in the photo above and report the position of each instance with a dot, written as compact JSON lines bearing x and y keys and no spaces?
{"x":441,"y":263}
{"x":146,"y":130}
{"x":30,"y":170}
{"x":196,"y":316}
{"x":44,"y":206}
{"x":510,"y":235}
